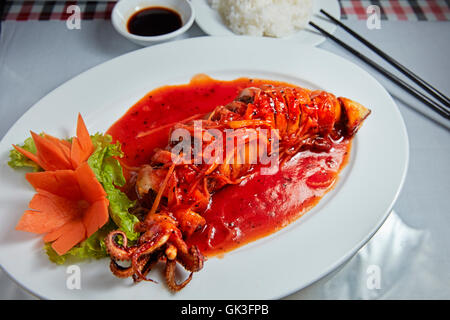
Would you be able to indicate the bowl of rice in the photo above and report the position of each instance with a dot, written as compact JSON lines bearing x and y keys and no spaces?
{"x":270,"y":18}
{"x":287,"y":19}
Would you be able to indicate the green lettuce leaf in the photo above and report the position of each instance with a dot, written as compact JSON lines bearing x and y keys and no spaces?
{"x":108,"y":171}
{"x":18,"y":160}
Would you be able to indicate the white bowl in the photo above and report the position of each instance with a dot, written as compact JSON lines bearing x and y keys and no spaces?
{"x":124,"y":9}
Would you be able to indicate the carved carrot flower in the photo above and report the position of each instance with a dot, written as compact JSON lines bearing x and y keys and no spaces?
{"x":70,"y":203}
{"x":69,"y":206}
{"x":77,"y":197}
{"x":56,"y":154}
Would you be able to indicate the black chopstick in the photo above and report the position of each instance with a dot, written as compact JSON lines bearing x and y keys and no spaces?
{"x":411,"y":75}
{"x":429,"y":102}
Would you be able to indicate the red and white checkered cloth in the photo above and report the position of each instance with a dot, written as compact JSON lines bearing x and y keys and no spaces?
{"x":410,"y":10}
{"x":403,"y":10}
{"x":55,"y":10}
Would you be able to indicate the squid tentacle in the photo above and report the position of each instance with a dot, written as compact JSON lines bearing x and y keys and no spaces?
{"x":146,"y":249}
{"x":150,"y":261}
{"x":119,"y":271}
{"x":191,"y":261}
{"x":116,"y":251}
{"x":170,"y":276}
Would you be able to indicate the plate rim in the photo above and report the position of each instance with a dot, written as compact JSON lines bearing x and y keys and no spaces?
{"x":330,"y":268}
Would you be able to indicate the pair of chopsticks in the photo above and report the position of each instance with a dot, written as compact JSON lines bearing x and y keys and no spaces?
{"x":443,"y":109}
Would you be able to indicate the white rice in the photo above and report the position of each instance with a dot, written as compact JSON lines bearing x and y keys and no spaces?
{"x":272,"y":18}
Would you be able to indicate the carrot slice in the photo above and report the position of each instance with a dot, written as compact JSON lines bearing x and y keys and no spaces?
{"x":63,"y":183}
{"x":91,"y":189}
{"x":64,"y":145}
{"x":50,"y":155}
{"x":82,"y":146}
{"x":83,"y":136}
{"x":96,"y":216}
{"x":76,"y":153}
{"x":27,"y":154}
{"x":67,"y":236}
{"x":48,"y":212}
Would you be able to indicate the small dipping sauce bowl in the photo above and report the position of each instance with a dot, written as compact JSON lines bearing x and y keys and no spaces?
{"x":126,"y":10}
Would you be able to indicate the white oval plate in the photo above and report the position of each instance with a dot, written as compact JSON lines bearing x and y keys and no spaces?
{"x":271,"y":267}
{"x":210,"y":21}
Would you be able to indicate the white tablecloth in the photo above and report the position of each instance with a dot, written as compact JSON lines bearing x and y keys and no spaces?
{"x":411,"y":250}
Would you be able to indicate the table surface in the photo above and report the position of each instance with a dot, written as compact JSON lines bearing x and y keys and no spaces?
{"x":411,"y":251}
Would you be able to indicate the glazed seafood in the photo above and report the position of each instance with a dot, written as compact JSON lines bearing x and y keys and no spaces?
{"x":173,"y":190}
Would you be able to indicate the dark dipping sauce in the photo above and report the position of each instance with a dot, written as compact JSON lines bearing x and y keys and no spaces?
{"x":154,"y":21}
{"x":238,"y":214}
